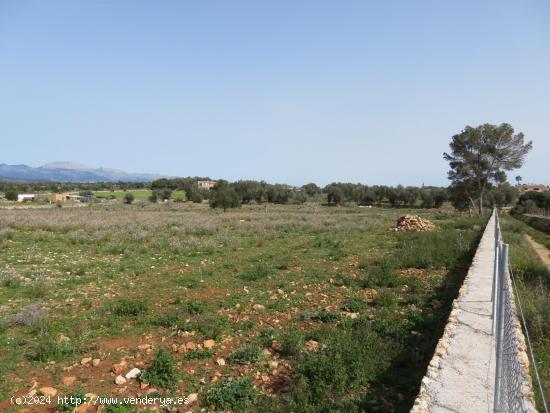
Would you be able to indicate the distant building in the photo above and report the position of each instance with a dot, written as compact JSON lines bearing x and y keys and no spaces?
{"x":522,"y":188}
{"x":206,"y":184}
{"x":55,"y":198}
{"x":25,"y":197}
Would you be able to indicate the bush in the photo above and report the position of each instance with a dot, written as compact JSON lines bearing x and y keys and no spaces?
{"x":195,"y":307}
{"x":198,"y":354}
{"x":259,"y":271}
{"x":128,"y":198}
{"x":292,"y":343}
{"x":171,"y":318}
{"x":248,"y":353}
{"x":162,"y":372}
{"x":355,"y":305}
{"x":349,"y":359}
{"x":224,"y":196}
{"x":236,"y":395}
{"x":11,"y":195}
{"x":126,"y":307}
{"x":326,"y":316}
{"x":48,"y":348}
{"x":211,"y":326}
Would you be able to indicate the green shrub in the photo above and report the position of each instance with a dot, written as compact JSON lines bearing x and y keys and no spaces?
{"x":38,"y":289}
{"x":355,"y":305}
{"x":266,"y":337}
{"x":248,"y":353}
{"x":350,"y":358}
{"x":292,"y":343}
{"x":236,"y":395}
{"x":126,"y":307}
{"x":197,"y":354}
{"x":326,"y":316}
{"x":162,"y":372}
{"x":195,"y":307}
{"x":211,"y":326}
{"x":385,"y":299}
{"x":48,"y":348}
{"x":259,"y":271}
{"x":171,"y":318}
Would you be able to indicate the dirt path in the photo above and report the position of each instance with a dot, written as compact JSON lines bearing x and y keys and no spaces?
{"x":541,"y":250}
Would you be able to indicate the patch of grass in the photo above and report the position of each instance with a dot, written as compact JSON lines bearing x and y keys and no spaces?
{"x":212,"y":327}
{"x":162,"y":371}
{"x":249,"y":353}
{"x":126,"y":307}
{"x":236,"y":395}
{"x":38,"y":289}
{"x":171,"y":318}
{"x":260,"y":271}
{"x":291,"y":342}
{"x":326,"y":316}
{"x":198,"y":354}
{"x":48,"y":348}
{"x":196,"y":307}
{"x":355,"y":305}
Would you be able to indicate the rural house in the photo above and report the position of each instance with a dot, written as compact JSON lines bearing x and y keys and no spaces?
{"x":206,"y":184}
{"x":522,"y":188}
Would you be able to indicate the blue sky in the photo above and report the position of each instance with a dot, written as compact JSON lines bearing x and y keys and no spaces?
{"x":286,"y":91}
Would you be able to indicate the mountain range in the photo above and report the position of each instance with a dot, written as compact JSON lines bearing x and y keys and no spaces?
{"x":70,"y":172}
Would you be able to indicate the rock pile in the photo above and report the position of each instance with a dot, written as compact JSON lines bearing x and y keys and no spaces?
{"x":413,"y":223}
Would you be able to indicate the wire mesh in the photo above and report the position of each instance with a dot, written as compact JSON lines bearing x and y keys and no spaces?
{"x":513,"y":388}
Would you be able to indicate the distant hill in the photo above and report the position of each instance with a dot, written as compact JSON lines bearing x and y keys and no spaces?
{"x":70,"y":172}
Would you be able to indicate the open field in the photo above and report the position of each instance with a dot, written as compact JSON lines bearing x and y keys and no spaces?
{"x":533,"y":279}
{"x":325,"y":309}
{"x":138,"y":194}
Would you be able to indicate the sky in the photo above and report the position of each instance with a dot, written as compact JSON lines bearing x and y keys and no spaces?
{"x":284,"y":91}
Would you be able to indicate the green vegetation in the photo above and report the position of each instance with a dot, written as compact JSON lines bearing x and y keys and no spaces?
{"x":533,"y":281}
{"x":284,"y":291}
{"x":236,"y":395}
{"x":249,"y":353}
{"x":479,"y":159}
{"x":162,"y":372}
{"x":136,"y":194}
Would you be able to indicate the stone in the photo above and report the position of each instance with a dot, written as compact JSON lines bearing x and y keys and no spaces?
{"x":132,"y":374}
{"x":119,"y":368}
{"x":68,"y":380}
{"x":86,"y":360}
{"x":120,"y":380}
{"x":273,"y":364}
{"x":47,"y":391}
{"x":220,"y":362}
{"x":312,"y":345}
{"x":258,"y":307}
{"x":208,"y":344}
{"x":144,"y":346}
{"x":191,"y":346}
{"x":192,"y":398}
{"x":95,"y":362}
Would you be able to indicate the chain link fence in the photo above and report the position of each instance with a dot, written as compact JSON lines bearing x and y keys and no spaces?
{"x":513,"y":386}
